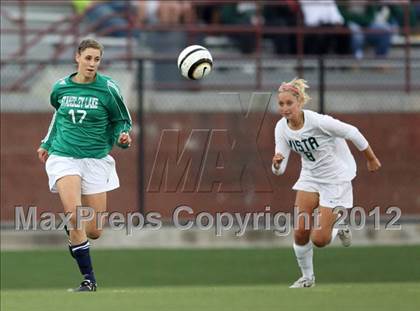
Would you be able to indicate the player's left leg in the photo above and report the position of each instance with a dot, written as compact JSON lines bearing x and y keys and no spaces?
{"x":323,"y":232}
{"x":92,"y":229}
{"x":99,"y":176}
{"x":97,"y":202}
{"x":332,"y":196}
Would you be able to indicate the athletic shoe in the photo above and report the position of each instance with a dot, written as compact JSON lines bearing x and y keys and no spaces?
{"x":345,"y":237}
{"x":86,"y":286}
{"x":304,"y":282}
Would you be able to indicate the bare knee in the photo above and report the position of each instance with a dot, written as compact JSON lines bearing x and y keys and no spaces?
{"x":94,"y":234}
{"x":320,"y":240}
{"x":302,"y":236}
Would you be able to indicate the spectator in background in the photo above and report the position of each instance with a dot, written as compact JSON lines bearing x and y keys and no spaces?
{"x":165,"y":12}
{"x":284,"y":14}
{"x":243,"y":13}
{"x":172,"y":41}
{"x":374,"y":16}
{"x":324,"y":14}
{"x":108,"y":18}
{"x":417,"y":11}
{"x":208,"y":14}
{"x":398,"y":14}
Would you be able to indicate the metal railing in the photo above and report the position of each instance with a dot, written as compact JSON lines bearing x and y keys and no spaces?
{"x":29,"y":37}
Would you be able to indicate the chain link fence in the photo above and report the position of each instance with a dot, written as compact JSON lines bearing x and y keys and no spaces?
{"x":350,"y":86}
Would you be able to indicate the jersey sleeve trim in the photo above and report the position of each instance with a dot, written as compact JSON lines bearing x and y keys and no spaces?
{"x":46,"y":141}
{"x":124,"y":113}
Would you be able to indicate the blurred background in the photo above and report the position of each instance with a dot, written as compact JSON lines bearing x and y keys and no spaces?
{"x":360,"y":58}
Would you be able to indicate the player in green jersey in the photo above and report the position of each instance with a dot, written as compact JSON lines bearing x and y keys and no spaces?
{"x":90,"y":117}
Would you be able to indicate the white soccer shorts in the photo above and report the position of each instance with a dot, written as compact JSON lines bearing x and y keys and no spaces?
{"x":98,"y":175}
{"x":330,"y":195}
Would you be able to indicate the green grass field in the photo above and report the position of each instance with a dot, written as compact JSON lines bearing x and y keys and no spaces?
{"x":364,"y":278}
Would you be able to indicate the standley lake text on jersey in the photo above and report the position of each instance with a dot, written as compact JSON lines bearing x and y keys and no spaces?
{"x":80,"y":102}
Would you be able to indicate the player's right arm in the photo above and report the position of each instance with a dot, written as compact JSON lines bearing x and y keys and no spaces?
{"x":48,"y":139}
{"x":281,"y":154}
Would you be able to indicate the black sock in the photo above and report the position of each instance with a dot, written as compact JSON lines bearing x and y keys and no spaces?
{"x":82,"y":256}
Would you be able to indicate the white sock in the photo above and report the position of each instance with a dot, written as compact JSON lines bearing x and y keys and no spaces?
{"x":333,"y":234}
{"x":304,"y":255}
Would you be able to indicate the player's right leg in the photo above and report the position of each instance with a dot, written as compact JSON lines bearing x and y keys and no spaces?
{"x":305,"y":203}
{"x":69,"y":189}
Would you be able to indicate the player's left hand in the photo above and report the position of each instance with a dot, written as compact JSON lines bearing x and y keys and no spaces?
{"x":124,"y":139}
{"x":373,"y":164}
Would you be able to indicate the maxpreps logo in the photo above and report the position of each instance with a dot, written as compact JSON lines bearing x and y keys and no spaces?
{"x":213,"y":159}
{"x":83,"y":102}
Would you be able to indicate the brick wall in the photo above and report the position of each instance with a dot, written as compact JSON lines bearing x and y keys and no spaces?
{"x":394,"y":137}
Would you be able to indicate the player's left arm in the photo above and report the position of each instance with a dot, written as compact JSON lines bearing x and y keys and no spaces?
{"x":119,"y":116}
{"x":373,"y":163}
{"x":337,"y":128}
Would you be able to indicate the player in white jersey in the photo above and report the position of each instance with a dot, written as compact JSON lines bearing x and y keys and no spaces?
{"x":327,"y":170}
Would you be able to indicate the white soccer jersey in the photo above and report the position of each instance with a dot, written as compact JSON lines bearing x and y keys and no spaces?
{"x":326,"y":158}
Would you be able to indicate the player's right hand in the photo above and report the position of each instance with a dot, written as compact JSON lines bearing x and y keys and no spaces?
{"x":278,"y":157}
{"x":42,"y":154}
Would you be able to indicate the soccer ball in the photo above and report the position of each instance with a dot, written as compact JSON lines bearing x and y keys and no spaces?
{"x":195,"y":62}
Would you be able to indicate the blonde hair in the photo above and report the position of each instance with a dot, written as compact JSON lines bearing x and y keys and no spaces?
{"x":297,"y":87}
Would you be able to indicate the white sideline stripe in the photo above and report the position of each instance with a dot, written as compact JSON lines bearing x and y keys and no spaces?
{"x":49,"y":128}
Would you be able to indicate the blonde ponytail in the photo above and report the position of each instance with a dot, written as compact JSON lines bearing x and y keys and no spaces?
{"x":298,"y":87}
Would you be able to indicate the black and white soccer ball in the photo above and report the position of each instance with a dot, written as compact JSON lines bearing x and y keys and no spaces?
{"x":195,"y":62}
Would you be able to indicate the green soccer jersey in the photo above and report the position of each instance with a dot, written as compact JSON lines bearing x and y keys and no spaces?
{"x":88,"y":120}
